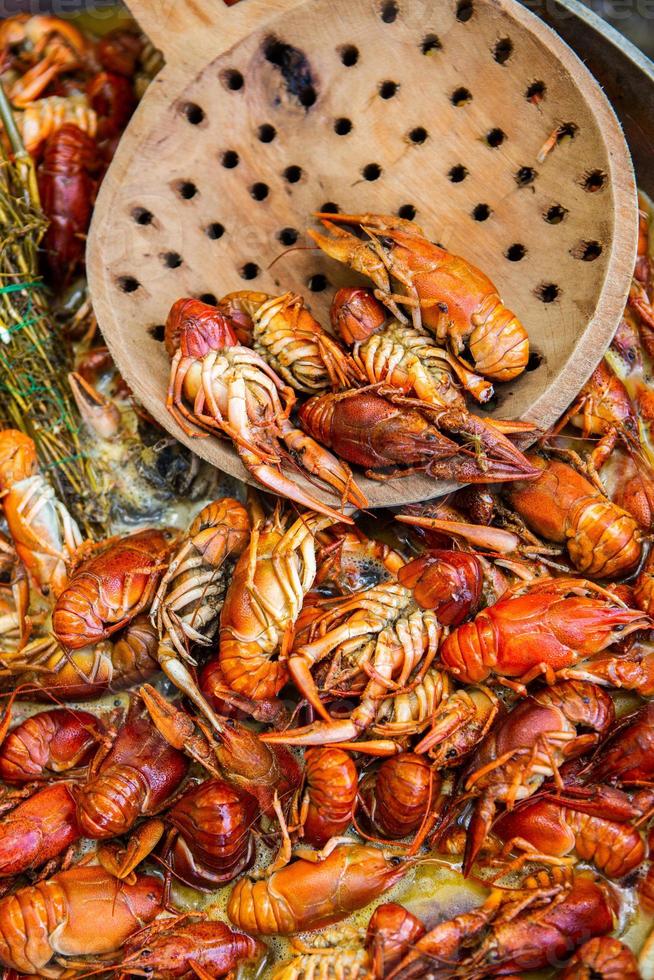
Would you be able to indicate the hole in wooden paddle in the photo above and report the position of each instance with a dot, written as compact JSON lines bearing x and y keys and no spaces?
{"x":555,"y":214}
{"x":464,"y":10}
{"x":249,"y":271}
{"x":566,"y":131}
{"x":536,"y":92}
{"x":215,"y":230}
{"x":525,"y":176}
{"x":266,"y":133}
{"x":128,"y":284}
{"x":308,"y":96}
{"x":371,"y":171}
{"x":172,"y":260}
{"x":288,"y":236}
{"x":157,"y":331}
{"x":594,"y":181}
{"x":481,"y":212}
{"x":259,"y":191}
{"x":342,"y":126}
{"x":431,"y":43}
{"x":587,"y":251}
{"x":503,"y":50}
{"x":193,"y":113}
{"x":229,"y":159}
{"x":232,"y":79}
{"x":457,"y":173}
{"x":142,"y":216}
{"x":547,"y":292}
{"x":349,"y":55}
{"x":418,"y":135}
{"x":461,"y":96}
{"x":389,"y":11}
{"x":317,"y":283}
{"x":515,"y":252}
{"x":388,"y":89}
{"x":495,"y":137}
{"x":186,"y":189}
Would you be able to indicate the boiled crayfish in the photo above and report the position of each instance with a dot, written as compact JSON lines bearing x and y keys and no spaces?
{"x":44,"y":533}
{"x":447,"y":294}
{"x":389,"y":434}
{"x":231,"y":390}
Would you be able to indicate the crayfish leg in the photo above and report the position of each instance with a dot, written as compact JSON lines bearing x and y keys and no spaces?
{"x":121,"y":861}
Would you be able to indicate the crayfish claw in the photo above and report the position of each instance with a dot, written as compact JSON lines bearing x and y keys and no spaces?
{"x":381,"y":222}
{"x":99,"y":413}
{"x":121,"y":861}
{"x":172,"y":724}
{"x":480,"y":535}
{"x":326,"y":467}
{"x":478,"y":830}
{"x":300,"y":672}
{"x":357,"y":254}
{"x":274,"y":480}
{"x":318,"y":733}
{"x":497,"y":458}
{"x":378,"y":747}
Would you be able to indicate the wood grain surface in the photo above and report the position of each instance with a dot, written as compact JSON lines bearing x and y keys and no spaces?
{"x":438,"y":109}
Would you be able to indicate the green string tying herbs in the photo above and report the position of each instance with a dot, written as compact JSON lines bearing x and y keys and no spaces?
{"x":34,"y":356}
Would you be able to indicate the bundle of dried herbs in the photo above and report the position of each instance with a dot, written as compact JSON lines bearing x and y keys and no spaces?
{"x":34,"y":355}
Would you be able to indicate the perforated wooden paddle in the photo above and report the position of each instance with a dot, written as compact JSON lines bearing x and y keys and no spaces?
{"x":471,"y":115}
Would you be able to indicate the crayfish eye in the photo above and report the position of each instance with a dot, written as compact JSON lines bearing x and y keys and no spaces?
{"x":386,"y":242}
{"x":395,"y":861}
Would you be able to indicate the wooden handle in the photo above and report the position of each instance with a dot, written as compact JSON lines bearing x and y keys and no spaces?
{"x":194,"y":32}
